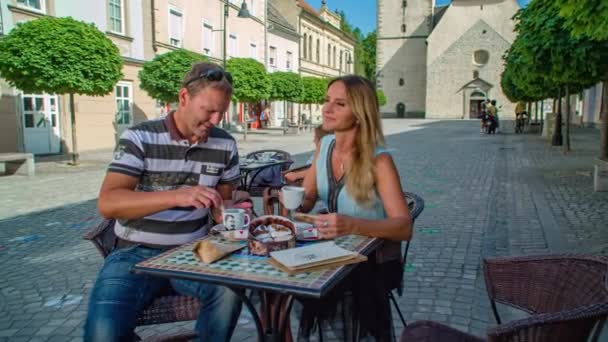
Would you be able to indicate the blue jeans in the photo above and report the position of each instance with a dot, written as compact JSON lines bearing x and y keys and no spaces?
{"x":118,"y":296}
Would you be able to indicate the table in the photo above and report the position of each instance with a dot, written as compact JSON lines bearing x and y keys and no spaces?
{"x":243,"y":271}
{"x":254,"y":168}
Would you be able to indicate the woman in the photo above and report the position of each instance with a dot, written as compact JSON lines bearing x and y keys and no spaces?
{"x":355,"y":176}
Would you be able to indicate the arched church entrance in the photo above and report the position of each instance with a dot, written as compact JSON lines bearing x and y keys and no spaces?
{"x":475,"y":104}
{"x":400,"y":110}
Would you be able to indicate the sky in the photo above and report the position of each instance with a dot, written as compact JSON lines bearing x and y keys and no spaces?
{"x":362,"y":13}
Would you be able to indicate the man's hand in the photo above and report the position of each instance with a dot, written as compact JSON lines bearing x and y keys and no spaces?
{"x":198,"y":197}
{"x":334,"y":225}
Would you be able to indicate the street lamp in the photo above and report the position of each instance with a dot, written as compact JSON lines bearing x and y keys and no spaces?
{"x":243,"y":13}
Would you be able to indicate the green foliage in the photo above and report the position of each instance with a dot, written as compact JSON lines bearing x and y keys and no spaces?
{"x":545,"y":57}
{"x":61,"y":56}
{"x":313,"y":89}
{"x":286,"y":86}
{"x":365,"y":53}
{"x":251,"y":81}
{"x":381,"y":97}
{"x":345,"y":25}
{"x":585,"y":17}
{"x":162,"y":77}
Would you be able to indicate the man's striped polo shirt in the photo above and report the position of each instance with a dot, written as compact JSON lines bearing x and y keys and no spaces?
{"x":161,"y":159}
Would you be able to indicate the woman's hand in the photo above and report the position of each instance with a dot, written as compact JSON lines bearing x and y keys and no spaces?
{"x":334,"y":225}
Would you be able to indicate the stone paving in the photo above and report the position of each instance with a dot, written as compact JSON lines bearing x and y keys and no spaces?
{"x":485,"y":195}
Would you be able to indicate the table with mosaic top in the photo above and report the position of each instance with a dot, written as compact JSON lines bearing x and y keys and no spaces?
{"x":253,"y":272}
{"x":241,"y":270}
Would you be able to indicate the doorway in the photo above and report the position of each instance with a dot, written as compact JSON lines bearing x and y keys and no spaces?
{"x":41,"y":131}
{"x":400,"y":110}
{"x":475,"y":108}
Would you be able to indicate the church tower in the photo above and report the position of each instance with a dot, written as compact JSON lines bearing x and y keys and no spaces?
{"x":401,"y":55}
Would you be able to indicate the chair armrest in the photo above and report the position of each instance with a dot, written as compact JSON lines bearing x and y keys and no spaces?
{"x":429,"y":331}
{"x":569,"y":325}
{"x":102,"y":236}
{"x":551,"y":283}
{"x":415,"y":204}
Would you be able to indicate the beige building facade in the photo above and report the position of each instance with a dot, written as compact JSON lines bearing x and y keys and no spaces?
{"x":442,"y":62}
{"x":325,"y":50}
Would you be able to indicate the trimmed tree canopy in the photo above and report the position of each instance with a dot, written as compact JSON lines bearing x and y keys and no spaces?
{"x":585,"y":17}
{"x":313,"y":89}
{"x":162,"y":77}
{"x":251,"y":81}
{"x":60,"y":56}
{"x":381,"y":97}
{"x":286,"y":86}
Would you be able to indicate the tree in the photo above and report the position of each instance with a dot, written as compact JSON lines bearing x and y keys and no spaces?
{"x":60,"y":56}
{"x":251,"y":81}
{"x":381,"y":97}
{"x":313,"y":89}
{"x":585,"y":17}
{"x":589,"y":19}
{"x":368,"y":56}
{"x":286,"y":86}
{"x":162,"y":77}
{"x":549,"y":52}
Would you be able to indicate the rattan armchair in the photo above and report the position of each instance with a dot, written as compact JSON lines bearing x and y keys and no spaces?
{"x":170,"y":307}
{"x":565,"y":295}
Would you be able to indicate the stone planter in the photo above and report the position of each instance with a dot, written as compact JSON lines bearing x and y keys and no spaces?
{"x":600,"y":175}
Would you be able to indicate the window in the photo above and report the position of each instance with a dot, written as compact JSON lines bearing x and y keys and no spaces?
{"x":116,"y":15}
{"x":328,"y":54}
{"x":310,"y":47}
{"x":272,"y":56}
{"x":318,"y":49}
{"x":341,"y":52}
{"x":251,"y":7}
{"x":481,"y":57}
{"x":253,"y":50}
{"x":288,"y":60}
{"x":232,"y":45}
{"x":36,"y":5}
{"x":334,"y":64}
{"x":124,"y":101}
{"x":475,"y":74}
{"x":207,"y":39}
{"x":175,"y":27}
{"x":304,"y":45}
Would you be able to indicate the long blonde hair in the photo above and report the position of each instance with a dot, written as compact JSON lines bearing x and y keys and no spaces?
{"x":363,"y":101}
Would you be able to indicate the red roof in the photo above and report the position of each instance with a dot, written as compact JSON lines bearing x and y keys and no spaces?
{"x":305,"y":6}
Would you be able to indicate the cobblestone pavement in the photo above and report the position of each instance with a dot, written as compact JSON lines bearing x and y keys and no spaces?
{"x":485,"y":195}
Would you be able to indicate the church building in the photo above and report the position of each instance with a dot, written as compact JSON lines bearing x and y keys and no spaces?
{"x":443,"y":61}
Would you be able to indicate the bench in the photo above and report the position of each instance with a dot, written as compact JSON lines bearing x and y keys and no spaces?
{"x":22,"y":163}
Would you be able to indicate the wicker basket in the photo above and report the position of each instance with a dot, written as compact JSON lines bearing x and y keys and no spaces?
{"x":257,"y":247}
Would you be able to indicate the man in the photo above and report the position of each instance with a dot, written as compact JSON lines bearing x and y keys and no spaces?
{"x":166,"y":178}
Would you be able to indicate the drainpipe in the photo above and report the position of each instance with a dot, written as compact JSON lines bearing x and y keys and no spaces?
{"x":154,"y":48}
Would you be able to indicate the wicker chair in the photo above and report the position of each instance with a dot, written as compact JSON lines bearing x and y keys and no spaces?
{"x":429,"y":331}
{"x":168,"y":308}
{"x":257,"y":190}
{"x":296,"y":169}
{"x":565,"y":295}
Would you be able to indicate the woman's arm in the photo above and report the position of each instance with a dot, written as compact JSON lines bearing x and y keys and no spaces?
{"x":398,"y":224}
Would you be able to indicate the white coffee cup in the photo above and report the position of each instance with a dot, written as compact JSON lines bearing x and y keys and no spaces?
{"x":235,"y":218}
{"x":292,"y":196}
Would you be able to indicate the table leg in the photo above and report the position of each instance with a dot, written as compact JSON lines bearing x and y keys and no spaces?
{"x":254,"y":314}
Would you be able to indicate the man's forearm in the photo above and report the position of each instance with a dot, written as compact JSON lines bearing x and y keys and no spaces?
{"x":129,"y":204}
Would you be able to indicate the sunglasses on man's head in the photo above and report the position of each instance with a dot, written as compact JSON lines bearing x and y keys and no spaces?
{"x":214,"y":75}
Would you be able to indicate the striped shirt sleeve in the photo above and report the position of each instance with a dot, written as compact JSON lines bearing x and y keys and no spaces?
{"x":232,"y":173}
{"x":128,"y":155}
